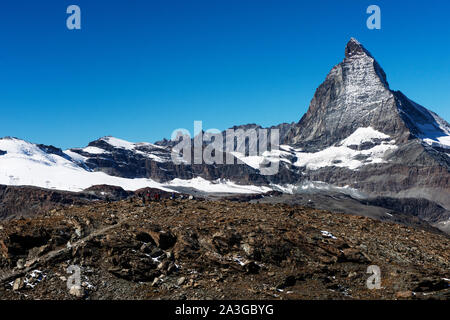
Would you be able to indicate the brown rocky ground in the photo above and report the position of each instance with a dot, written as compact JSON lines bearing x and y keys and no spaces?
{"x":191,"y":249}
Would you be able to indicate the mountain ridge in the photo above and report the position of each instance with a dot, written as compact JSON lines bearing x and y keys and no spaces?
{"x":357,"y":133}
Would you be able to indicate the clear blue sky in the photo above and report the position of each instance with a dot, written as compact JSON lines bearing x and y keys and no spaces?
{"x":140,"y":69}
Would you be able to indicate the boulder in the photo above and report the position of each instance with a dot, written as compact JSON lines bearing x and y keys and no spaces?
{"x":187,"y":245}
{"x":18,"y":284}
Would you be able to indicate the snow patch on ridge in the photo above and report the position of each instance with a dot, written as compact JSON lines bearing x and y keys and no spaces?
{"x":119,"y":143}
{"x":146,"y":149}
{"x":436,"y":136}
{"x":323,"y":186}
{"x":343,"y":156}
{"x":340,"y":155}
{"x":271,"y":156}
{"x":123,"y":144}
{"x":363,"y":135}
{"x":75,"y":156}
{"x":94,"y":150}
{"x":434,"y":130}
{"x":317,"y":186}
{"x":217,"y":186}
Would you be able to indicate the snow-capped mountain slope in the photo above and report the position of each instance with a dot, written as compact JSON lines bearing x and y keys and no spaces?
{"x":363,"y":147}
{"x":24,"y":163}
{"x":106,"y":145}
{"x":424,"y":124}
{"x":27,"y":164}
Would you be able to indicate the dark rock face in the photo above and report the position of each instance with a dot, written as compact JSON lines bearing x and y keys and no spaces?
{"x":52,"y":150}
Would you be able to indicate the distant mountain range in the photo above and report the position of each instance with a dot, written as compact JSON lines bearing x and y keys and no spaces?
{"x":358,"y":137}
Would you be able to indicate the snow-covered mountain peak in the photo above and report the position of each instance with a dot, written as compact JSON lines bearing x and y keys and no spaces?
{"x":14,"y":149}
{"x":127,"y":145}
{"x":118,"y":143}
{"x":354,"y":94}
{"x":363,"y":63}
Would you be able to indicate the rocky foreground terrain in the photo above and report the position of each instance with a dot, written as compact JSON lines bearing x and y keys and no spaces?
{"x":198,"y":249}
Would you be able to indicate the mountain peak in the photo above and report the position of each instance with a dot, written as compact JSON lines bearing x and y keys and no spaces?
{"x":355,"y":94}
{"x":354,"y":48}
